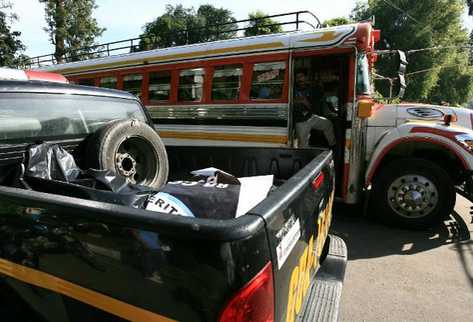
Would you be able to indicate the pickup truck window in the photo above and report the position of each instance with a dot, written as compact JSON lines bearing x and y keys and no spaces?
{"x":31,"y":115}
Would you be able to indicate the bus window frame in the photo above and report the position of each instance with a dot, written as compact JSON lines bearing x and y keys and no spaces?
{"x":84,"y":77}
{"x":203,"y":99}
{"x":144,"y":95}
{"x":159,"y":102}
{"x":98,"y":79}
{"x":242,"y":78}
{"x":284,"y":93}
{"x":175,"y":67}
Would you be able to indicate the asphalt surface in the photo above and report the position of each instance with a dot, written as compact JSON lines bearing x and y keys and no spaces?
{"x":400,"y":275}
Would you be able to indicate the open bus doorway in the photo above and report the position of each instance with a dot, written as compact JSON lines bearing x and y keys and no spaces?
{"x":323,"y":98}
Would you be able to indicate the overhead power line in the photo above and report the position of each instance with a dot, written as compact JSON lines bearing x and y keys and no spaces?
{"x":412,"y":51}
{"x":423,"y":27}
{"x":437,"y":48}
{"x":434,"y":68}
{"x":389,"y":3}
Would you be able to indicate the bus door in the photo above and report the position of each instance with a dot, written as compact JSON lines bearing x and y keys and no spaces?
{"x":321,"y":87}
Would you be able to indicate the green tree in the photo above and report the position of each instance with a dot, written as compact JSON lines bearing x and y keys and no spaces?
{"x":209,"y":17}
{"x":409,"y":25}
{"x":10,"y":43}
{"x":471,"y":48}
{"x":71,"y":27}
{"x":259,"y":25}
{"x":337,"y":22}
{"x":180,"y":26}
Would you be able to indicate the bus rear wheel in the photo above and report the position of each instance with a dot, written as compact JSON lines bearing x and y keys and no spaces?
{"x":413,"y":193}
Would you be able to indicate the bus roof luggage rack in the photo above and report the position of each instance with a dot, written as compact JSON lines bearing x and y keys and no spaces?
{"x":291,"y":21}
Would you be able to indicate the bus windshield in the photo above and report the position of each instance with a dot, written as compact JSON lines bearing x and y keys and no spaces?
{"x":363,"y":80}
{"x":33,"y":115}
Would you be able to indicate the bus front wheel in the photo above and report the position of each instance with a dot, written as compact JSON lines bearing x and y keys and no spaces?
{"x":413,"y":193}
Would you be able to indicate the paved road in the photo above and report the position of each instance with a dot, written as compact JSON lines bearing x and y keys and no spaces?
{"x":398,"y":275}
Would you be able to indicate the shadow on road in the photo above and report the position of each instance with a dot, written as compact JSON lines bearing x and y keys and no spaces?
{"x":368,"y":239}
{"x":464,"y":248}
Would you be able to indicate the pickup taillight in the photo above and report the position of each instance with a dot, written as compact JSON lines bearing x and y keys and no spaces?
{"x":318,"y":181}
{"x":254,"y":302}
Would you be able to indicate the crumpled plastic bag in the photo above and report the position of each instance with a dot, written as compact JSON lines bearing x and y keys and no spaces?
{"x":51,"y":162}
{"x":50,"y":168}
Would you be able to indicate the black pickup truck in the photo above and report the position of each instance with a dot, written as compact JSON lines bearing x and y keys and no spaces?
{"x":73,"y":259}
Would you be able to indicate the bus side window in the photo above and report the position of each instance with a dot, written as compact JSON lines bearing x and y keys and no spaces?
{"x":108,"y":82}
{"x":159,"y":88}
{"x":226,"y":82}
{"x":268,"y":80}
{"x":132,"y":84}
{"x":191,"y":83}
{"x":86,"y":81}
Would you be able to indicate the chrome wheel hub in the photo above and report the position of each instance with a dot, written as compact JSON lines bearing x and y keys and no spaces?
{"x":412,"y":196}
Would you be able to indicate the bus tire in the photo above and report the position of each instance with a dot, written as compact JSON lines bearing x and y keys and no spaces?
{"x":132,"y":149}
{"x":413,"y":193}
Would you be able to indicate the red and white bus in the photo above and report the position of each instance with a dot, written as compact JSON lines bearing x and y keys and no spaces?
{"x":240,"y":92}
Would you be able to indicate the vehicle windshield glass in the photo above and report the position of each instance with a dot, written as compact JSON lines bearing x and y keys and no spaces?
{"x":29,"y":116}
{"x":363,"y":81}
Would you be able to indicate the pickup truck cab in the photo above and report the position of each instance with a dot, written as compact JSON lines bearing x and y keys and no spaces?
{"x":73,"y":259}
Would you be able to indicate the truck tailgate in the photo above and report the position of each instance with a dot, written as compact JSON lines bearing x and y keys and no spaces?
{"x":297,"y":217}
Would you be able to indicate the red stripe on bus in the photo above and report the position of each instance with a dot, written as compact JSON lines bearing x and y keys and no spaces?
{"x":411,"y":139}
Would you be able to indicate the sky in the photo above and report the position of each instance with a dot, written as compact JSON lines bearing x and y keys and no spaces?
{"x":125,"y":19}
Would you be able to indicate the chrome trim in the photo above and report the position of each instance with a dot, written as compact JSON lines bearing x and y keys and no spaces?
{"x":291,"y":99}
{"x":196,"y":142}
{"x":358,"y":149}
{"x":256,"y":130}
{"x":221,"y":112}
{"x":425,"y":112}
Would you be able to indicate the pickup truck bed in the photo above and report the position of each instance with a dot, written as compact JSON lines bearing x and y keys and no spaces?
{"x":74,"y":259}
{"x":162,"y":266}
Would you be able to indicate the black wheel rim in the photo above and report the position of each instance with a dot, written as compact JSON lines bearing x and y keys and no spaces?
{"x":136,"y":160}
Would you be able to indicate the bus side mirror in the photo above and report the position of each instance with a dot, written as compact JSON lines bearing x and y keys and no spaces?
{"x":401,"y":73}
{"x":394,"y":86}
{"x":365,"y":108}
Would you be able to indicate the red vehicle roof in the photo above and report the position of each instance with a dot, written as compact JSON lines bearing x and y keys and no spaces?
{"x":45,"y":76}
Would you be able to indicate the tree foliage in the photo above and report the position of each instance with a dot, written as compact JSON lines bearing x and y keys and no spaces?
{"x":259,"y":25}
{"x":337,"y":22}
{"x":442,"y":75}
{"x":71,"y":27}
{"x":11,"y":46}
{"x":471,"y":48}
{"x":179,"y":26}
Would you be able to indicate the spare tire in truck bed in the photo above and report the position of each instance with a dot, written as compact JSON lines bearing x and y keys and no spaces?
{"x":132,"y":149}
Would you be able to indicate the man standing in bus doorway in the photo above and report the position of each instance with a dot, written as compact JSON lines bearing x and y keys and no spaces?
{"x":308,"y":112}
